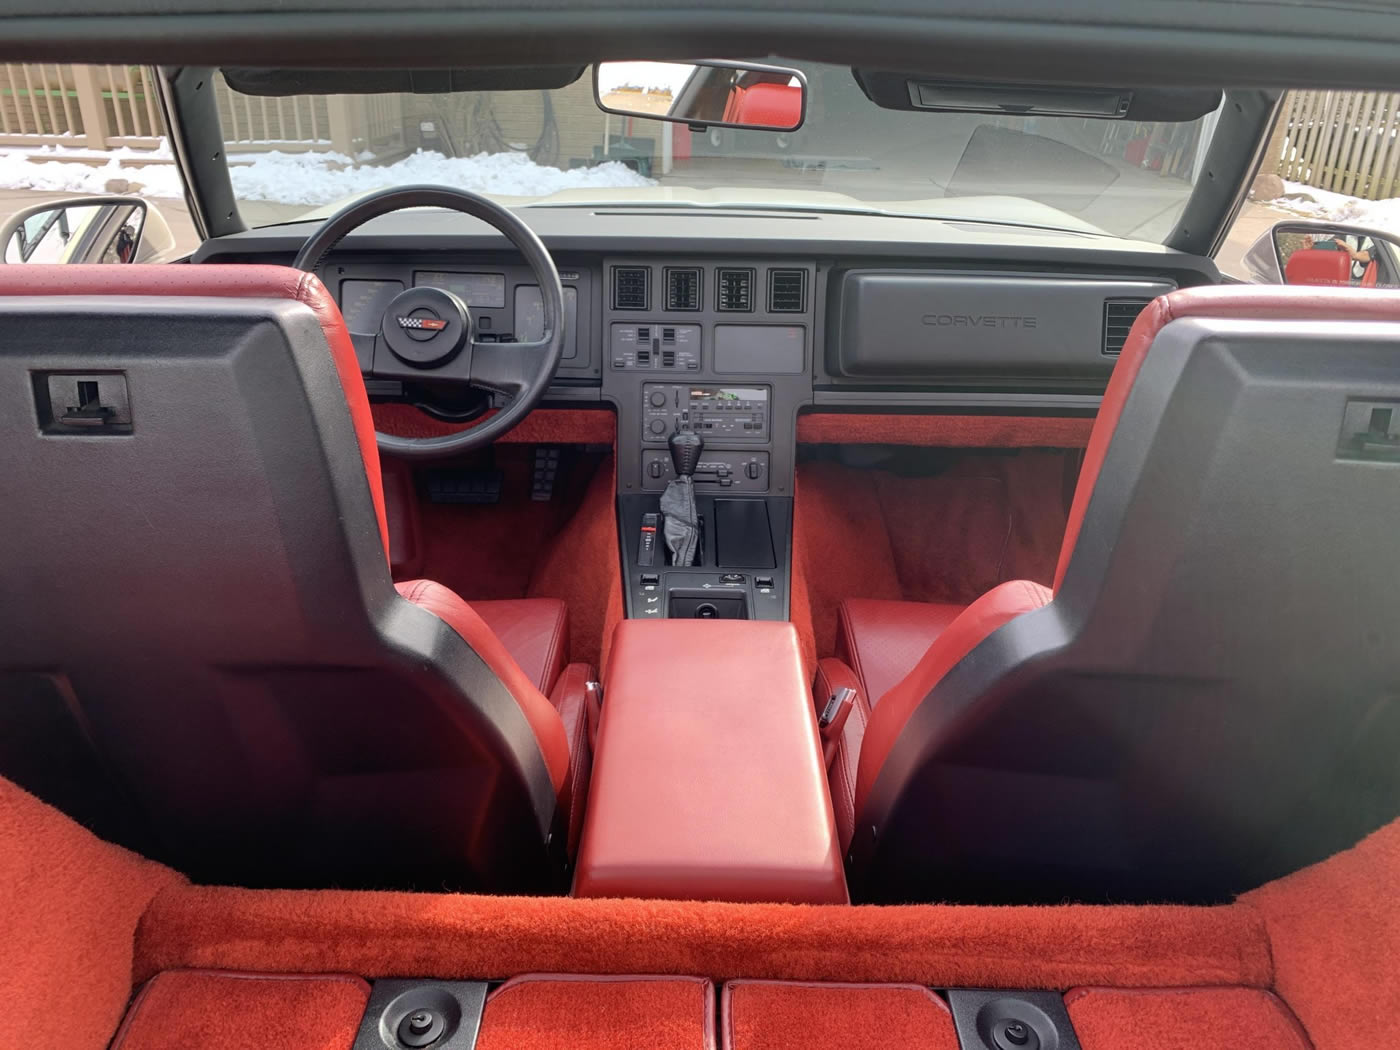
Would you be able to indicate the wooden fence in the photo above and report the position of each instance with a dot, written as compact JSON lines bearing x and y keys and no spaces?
{"x":105,"y":107}
{"x":1347,"y":141}
{"x":97,"y":107}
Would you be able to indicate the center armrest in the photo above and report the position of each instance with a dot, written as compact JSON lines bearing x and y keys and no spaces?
{"x":708,"y":778}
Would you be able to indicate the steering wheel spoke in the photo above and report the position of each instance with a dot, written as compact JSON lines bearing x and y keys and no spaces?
{"x":507,"y":368}
{"x":426,"y":330}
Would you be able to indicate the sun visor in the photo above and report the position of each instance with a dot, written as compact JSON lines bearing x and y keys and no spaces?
{"x":907,"y":91}
{"x":274,"y":83}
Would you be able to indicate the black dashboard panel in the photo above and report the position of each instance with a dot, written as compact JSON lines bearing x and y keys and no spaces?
{"x":922,"y":326}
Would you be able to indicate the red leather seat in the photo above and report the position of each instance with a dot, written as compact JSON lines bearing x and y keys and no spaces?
{"x":1322,"y":267}
{"x":987,"y":785}
{"x":767,"y":105}
{"x":273,"y":565}
{"x":877,"y":644}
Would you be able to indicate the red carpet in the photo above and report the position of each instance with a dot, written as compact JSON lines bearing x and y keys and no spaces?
{"x":563,"y":548}
{"x":1183,"y":1019}
{"x":1327,"y":939}
{"x":948,"y":536}
{"x":558,"y":1012}
{"x":773,"y":1015}
{"x":210,"y":1010}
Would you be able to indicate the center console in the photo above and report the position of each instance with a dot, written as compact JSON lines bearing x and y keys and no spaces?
{"x":708,"y":777}
{"x":721,"y":350}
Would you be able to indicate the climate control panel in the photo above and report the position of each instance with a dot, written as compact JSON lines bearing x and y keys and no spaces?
{"x":727,"y":413}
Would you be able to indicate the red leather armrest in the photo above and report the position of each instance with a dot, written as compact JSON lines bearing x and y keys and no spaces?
{"x":708,"y":781}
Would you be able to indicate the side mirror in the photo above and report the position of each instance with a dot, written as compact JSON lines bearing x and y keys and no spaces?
{"x":77,"y":230}
{"x":704,"y":94}
{"x":1323,"y":254}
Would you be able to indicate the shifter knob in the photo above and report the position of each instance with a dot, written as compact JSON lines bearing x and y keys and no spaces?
{"x":686,"y":447}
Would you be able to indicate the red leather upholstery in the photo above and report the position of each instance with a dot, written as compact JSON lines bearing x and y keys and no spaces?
{"x":768,"y":105}
{"x":462,"y":618}
{"x":884,"y":640}
{"x":572,"y":699}
{"x":1318,"y":266}
{"x":834,"y":674}
{"x":981,"y":618}
{"x":535,"y":631}
{"x":248,"y":282}
{"x":709,"y":782}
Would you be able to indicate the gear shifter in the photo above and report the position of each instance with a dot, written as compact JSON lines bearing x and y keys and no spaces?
{"x":686,"y":448}
{"x":682,"y":525}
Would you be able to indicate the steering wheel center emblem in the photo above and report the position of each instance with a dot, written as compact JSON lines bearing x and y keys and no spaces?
{"x":425,"y":324}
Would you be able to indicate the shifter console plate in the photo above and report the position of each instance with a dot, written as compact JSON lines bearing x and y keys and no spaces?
{"x":717,"y":471}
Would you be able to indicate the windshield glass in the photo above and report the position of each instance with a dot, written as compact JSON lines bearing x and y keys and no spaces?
{"x":299,"y":155}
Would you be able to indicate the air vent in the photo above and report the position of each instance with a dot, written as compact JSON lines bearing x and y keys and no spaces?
{"x":1118,"y":318}
{"x":631,"y":288}
{"x":682,"y":289}
{"x":735,"y":291}
{"x":787,"y":291}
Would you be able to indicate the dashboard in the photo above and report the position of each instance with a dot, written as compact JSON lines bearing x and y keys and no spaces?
{"x":732,"y":323}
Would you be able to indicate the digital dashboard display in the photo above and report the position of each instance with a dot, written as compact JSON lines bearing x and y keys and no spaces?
{"x":362,"y":303}
{"x":529,"y":315}
{"x":484,"y":290}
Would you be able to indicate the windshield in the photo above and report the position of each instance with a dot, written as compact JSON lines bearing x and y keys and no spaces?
{"x":304,"y":154}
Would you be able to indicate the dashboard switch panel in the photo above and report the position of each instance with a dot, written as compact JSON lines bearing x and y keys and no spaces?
{"x":726,"y":413}
{"x":663,"y":347}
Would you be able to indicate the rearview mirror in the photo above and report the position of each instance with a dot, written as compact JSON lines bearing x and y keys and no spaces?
{"x":78,"y":230}
{"x":1323,"y":254}
{"x":704,"y":94}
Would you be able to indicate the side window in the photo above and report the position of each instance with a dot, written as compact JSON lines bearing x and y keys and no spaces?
{"x":71,"y":131}
{"x":1328,"y":190}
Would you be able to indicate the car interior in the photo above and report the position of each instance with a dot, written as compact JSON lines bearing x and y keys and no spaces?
{"x":919,"y":601}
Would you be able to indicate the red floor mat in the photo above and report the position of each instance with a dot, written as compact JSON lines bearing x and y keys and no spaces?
{"x":563,"y":548}
{"x":223,"y":1010}
{"x":1183,"y":1019}
{"x":948,"y":536}
{"x":562,"y":1012}
{"x":773,"y":1015}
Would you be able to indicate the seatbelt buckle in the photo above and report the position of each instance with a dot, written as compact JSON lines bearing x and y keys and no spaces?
{"x":832,"y":720}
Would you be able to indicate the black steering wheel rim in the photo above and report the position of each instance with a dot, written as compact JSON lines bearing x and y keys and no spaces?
{"x":547,"y":351}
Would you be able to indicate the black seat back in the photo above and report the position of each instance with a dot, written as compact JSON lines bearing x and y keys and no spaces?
{"x":1212,"y":698}
{"x":199,"y":585}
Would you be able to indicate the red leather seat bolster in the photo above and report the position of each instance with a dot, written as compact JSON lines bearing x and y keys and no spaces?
{"x":242,"y":282}
{"x":989,"y":612}
{"x":571,"y":699}
{"x":1269,"y":302}
{"x":883,"y":640}
{"x":462,"y":618}
{"x":535,"y":631}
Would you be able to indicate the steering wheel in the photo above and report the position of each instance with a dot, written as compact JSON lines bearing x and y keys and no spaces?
{"x":427,"y":333}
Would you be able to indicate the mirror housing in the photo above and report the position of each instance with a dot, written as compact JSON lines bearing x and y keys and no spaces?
{"x":1315,"y":253}
{"x":96,"y":229}
{"x":704,"y":94}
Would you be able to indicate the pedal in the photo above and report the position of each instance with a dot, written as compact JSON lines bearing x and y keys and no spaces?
{"x":464,"y":486}
{"x":546,"y":473}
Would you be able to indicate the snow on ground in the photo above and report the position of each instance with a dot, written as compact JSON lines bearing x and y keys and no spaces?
{"x":1338,"y":207}
{"x":312,"y":179}
{"x":54,"y":170}
{"x":320,"y":178}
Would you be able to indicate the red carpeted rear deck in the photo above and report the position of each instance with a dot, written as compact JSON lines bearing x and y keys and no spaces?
{"x":87,"y":923}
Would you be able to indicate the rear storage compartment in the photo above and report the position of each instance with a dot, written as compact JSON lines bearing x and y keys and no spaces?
{"x":1305,"y":961}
